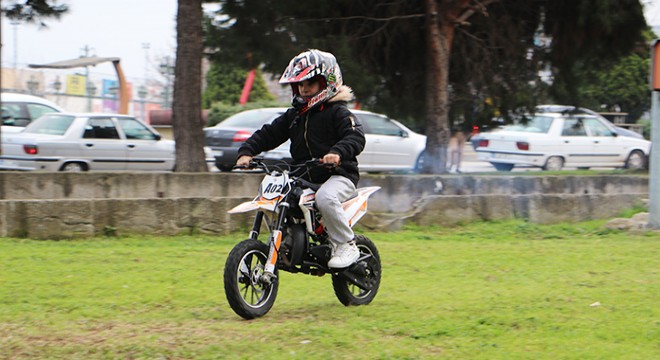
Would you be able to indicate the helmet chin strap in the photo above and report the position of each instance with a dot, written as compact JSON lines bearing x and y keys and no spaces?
{"x":302,"y":103}
{"x":299,"y":103}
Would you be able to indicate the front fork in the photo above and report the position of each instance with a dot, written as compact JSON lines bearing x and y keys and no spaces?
{"x":273,"y":243}
{"x":256,"y":225}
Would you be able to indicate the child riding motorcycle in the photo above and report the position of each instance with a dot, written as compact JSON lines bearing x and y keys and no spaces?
{"x":319,"y":125}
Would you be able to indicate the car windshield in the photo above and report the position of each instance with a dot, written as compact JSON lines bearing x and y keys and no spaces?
{"x":249,"y":119}
{"x":50,"y":124}
{"x":534,"y":124}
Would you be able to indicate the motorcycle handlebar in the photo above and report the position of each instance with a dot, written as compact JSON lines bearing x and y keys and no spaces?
{"x":257,"y":163}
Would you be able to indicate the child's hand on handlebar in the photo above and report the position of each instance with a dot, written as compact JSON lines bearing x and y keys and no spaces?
{"x":244,"y":161}
{"x":331,"y":159}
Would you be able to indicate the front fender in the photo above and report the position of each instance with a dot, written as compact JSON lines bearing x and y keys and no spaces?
{"x":257,"y":204}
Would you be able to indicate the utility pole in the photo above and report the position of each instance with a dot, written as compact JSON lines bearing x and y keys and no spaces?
{"x":143,"y":90}
{"x":90,"y":89}
{"x":146,"y":47}
{"x":15,"y":24}
{"x":167,"y":70}
{"x":654,"y":159}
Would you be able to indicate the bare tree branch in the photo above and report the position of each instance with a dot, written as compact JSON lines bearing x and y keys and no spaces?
{"x":480,"y":6}
{"x":399,"y":17}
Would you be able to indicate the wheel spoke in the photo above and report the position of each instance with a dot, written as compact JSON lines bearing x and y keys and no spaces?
{"x":244,"y":290}
{"x":248,"y":274}
{"x":246,"y":293}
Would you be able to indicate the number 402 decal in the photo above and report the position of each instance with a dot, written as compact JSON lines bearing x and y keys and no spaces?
{"x":273,"y":188}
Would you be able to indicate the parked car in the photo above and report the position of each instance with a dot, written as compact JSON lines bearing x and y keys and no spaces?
{"x":566,"y":110}
{"x":89,"y":142}
{"x":554,"y":138}
{"x":18,"y":110}
{"x":227,"y":136}
{"x":390,"y":146}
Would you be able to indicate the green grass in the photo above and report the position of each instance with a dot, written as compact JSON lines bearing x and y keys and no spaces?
{"x":510,"y":290}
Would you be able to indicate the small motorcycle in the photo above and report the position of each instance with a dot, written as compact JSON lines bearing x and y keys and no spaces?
{"x":298,"y":243}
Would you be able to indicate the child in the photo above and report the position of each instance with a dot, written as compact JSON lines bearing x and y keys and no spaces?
{"x":319,"y":125}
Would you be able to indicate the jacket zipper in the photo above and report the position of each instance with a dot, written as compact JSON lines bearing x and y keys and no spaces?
{"x":309,"y":150}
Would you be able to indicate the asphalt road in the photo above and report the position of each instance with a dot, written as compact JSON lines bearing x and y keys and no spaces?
{"x":471,"y":164}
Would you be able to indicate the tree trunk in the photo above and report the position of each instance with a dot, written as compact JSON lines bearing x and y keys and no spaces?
{"x":439,"y":36}
{"x":187,"y":104}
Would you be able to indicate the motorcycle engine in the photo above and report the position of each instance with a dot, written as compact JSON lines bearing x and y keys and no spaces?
{"x":293,"y":245}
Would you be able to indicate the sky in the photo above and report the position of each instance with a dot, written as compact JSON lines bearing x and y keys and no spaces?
{"x":109,"y":28}
{"x":118,"y":28}
{"x":652,"y":12}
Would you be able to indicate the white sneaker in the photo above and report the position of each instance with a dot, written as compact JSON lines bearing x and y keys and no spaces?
{"x":344,"y":255}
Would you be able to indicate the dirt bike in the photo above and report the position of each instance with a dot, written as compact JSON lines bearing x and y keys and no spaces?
{"x":297,"y":243}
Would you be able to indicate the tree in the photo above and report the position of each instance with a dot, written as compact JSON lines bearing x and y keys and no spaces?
{"x":441,"y":20}
{"x":622,"y":85}
{"x":224,"y":83}
{"x":34,"y":11}
{"x":478,"y":51}
{"x":187,"y":103}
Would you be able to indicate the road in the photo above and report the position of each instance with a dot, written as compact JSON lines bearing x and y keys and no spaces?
{"x":471,"y":164}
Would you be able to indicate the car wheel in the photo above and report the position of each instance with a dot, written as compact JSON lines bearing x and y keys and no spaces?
{"x":73,"y":167}
{"x":636,"y":161}
{"x":502,"y":166}
{"x":554,"y":163}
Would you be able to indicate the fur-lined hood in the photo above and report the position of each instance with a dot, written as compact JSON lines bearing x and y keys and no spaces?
{"x":345,"y":93}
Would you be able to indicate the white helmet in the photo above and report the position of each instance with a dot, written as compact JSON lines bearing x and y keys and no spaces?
{"x":310,"y":64}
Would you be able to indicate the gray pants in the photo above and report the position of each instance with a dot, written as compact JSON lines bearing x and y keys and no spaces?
{"x":329,"y":197}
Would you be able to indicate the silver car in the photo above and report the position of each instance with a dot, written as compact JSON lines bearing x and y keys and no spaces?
{"x":390,"y":146}
{"x":553,"y":139}
{"x":89,"y":142}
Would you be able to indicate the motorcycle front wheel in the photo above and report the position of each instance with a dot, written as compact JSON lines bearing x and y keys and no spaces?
{"x":350,"y":294}
{"x":248,"y":296}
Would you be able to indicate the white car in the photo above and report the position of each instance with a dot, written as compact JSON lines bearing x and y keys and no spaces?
{"x":553,"y":139}
{"x":18,"y":110}
{"x":89,"y":142}
{"x":390,"y":146}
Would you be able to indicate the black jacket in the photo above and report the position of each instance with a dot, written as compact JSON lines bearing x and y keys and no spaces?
{"x":328,"y":128}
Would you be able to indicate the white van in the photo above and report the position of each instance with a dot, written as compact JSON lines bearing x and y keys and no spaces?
{"x":18,"y":110}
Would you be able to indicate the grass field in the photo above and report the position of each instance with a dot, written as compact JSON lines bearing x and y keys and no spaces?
{"x":509,"y":290}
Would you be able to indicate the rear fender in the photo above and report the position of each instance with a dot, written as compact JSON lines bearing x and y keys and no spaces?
{"x":356,"y":207}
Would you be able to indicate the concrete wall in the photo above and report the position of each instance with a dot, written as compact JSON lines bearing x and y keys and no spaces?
{"x":65,"y":205}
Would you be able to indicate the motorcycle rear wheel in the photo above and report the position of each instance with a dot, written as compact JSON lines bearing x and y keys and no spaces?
{"x":350,"y":294}
{"x":247,"y":296}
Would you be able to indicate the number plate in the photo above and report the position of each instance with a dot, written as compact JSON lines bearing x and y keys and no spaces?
{"x":273,"y":186}
{"x":500,"y":156}
{"x":10,"y":164}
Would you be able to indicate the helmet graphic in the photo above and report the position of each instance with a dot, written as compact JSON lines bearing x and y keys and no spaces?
{"x":307,"y":65}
